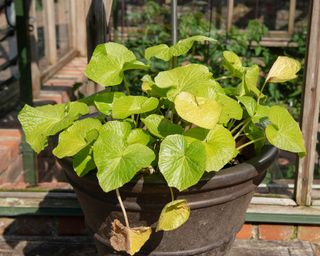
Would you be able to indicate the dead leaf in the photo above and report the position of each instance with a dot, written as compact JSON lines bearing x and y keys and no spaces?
{"x":127,"y":239}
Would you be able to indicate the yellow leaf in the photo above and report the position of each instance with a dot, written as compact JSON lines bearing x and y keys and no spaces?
{"x":173,"y":215}
{"x":200,"y":111}
{"x":284,"y":69}
{"x":127,"y":239}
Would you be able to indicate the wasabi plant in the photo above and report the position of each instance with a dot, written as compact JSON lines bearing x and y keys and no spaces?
{"x":183,"y":125}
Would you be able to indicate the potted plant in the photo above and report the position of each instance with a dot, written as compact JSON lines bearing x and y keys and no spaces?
{"x":170,"y":171}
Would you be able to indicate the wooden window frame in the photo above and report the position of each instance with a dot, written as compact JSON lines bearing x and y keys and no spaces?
{"x":310,"y":111}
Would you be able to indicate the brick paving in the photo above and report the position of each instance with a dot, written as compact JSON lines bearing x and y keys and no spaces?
{"x":84,"y":246}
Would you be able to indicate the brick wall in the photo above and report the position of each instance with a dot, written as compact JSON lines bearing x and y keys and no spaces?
{"x":280,"y":232}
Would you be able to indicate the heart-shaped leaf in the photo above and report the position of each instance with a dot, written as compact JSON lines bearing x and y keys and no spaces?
{"x":193,"y":78}
{"x":197,"y":133}
{"x":220,"y":148}
{"x":181,"y":163}
{"x":262,"y":112}
{"x":200,"y":111}
{"x":164,"y":52}
{"x":233,"y":63}
{"x":83,"y":161}
{"x":149,"y":86}
{"x":251,"y":79}
{"x":284,"y":132}
{"x":231,"y":109}
{"x":134,"y":65}
{"x":284,"y":69}
{"x":160,"y":126}
{"x":118,"y":162}
{"x":127,"y":239}
{"x":173,"y":215}
{"x":138,"y":136}
{"x":128,"y":105}
{"x":41,"y":122}
{"x":103,"y":101}
{"x":72,"y":140}
{"x":249,"y":103}
{"x":109,"y":61}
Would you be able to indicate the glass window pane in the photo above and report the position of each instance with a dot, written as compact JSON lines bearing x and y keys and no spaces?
{"x":273,"y":13}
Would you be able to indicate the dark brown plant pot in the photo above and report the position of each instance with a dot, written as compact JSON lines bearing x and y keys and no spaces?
{"x":218,"y":205}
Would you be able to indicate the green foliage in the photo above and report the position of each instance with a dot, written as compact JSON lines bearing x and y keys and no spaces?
{"x":184,"y":123}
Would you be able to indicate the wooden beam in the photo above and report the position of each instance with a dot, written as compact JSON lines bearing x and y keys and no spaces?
{"x":35,"y":70}
{"x":73,"y":23}
{"x":292,"y":15}
{"x":230,"y":14}
{"x":50,"y":31}
{"x":310,"y":112}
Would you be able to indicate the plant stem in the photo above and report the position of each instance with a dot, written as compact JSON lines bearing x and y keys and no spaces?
{"x":122,"y":208}
{"x":243,"y":127}
{"x":171,"y":193}
{"x":249,"y":143}
{"x":260,"y":94}
{"x":239,"y":125}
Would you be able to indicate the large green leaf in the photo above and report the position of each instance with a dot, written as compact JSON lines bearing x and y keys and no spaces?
{"x":261,"y":113}
{"x":128,"y":105}
{"x":103,"y":101}
{"x":149,"y":86}
{"x":193,"y":78}
{"x":173,"y":215}
{"x":181,"y":163}
{"x":138,"y":136}
{"x":75,"y":138}
{"x":220,"y":148}
{"x":109,"y":61}
{"x":83,"y":161}
{"x":197,"y":133}
{"x":200,"y":111}
{"x":160,"y":126}
{"x":231,"y":109}
{"x":164,"y":52}
{"x":249,"y":103}
{"x":118,"y":162}
{"x":251,"y":79}
{"x":284,"y":132}
{"x":233,"y":63}
{"x":41,"y":122}
{"x":284,"y":69}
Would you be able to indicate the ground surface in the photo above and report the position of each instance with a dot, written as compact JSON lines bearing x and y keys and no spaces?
{"x":82,"y":246}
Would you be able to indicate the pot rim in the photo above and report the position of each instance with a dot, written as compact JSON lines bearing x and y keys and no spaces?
{"x":239,"y":173}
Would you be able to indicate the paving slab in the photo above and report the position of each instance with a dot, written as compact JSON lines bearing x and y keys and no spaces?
{"x":84,"y":246}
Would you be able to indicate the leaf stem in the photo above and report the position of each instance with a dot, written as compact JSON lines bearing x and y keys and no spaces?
{"x":243,"y":127}
{"x":122,"y":208}
{"x":249,"y":143}
{"x":239,"y":125}
{"x":260,"y":94}
{"x":171,"y":193}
